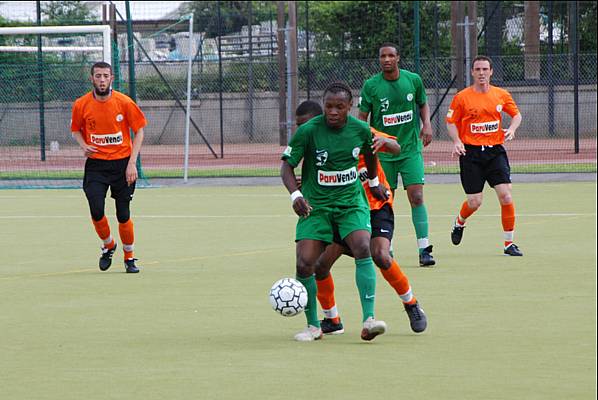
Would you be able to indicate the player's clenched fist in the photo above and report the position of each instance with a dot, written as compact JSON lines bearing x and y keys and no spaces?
{"x":301,"y":207}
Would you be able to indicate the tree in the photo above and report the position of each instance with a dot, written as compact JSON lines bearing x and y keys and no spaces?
{"x":355,"y":29}
{"x":66,"y":12}
{"x":234,"y":15}
{"x":531,"y":36}
{"x":587,"y":26}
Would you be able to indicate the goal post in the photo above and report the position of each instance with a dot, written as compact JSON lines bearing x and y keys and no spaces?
{"x":40,"y":30}
{"x":36,"y":147}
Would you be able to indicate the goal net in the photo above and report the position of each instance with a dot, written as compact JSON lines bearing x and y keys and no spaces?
{"x":44,"y":69}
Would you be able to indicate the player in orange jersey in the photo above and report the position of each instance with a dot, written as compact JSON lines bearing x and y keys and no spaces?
{"x":474,"y":124}
{"x":100,"y":123}
{"x":382,"y":224}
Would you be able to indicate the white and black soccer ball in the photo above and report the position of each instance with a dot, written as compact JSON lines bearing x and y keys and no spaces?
{"x":288,"y":297}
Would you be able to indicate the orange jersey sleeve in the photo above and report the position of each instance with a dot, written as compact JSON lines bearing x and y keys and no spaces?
{"x":362,"y":172}
{"x":105,"y":124}
{"x":478,"y":115}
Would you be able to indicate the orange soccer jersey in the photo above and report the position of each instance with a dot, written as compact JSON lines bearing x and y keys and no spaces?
{"x":478,"y":115}
{"x":105,"y":124}
{"x":375,"y":204}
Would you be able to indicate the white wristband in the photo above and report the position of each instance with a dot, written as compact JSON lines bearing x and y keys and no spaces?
{"x":373,"y":182}
{"x":295,"y":195}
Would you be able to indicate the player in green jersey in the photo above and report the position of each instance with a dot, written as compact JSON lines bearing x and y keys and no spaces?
{"x":395,"y":101}
{"x":332,"y":200}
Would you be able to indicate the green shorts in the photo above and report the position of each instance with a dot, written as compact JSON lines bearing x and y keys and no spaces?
{"x":322,"y":223}
{"x":411,"y":169}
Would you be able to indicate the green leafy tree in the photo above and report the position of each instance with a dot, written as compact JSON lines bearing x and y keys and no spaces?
{"x":234,"y":15}
{"x":587,"y":26}
{"x":355,"y":29}
{"x":66,"y":12}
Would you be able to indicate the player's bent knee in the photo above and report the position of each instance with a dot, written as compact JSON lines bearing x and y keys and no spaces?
{"x":322,"y":271}
{"x":305,"y":269}
{"x":123,"y":211}
{"x":322,"y":274}
{"x":361,"y":250}
{"x":381,"y":259}
{"x":96,"y":208}
{"x":474,"y":204}
{"x":416,"y":200}
{"x":505,"y":200}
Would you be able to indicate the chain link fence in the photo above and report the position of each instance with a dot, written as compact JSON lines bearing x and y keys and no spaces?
{"x":236,"y":77}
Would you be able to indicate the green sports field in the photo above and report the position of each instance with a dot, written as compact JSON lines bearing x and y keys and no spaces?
{"x":196,"y":322}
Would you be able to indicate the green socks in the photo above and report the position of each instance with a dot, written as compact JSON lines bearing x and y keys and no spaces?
{"x":365,"y":277}
{"x":419,"y":217}
{"x":311,"y":310}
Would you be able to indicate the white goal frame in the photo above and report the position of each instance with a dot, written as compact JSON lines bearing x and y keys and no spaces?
{"x":106,"y":49}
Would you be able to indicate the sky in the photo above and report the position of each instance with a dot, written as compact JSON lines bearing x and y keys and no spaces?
{"x":140,"y":10}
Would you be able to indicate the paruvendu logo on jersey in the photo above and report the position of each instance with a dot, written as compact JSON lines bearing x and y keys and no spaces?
{"x":337,"y":178}
{"x":107,"y":140}
{"x":363,"y":174}
{"x":485,"y":127}
{"x":398,"y":118}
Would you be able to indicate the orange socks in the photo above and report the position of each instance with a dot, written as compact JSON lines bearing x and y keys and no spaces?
{"x":507,"y":215}
{"x":326,"y":298}
{"x":103,"y":230}
{"x":126,"y":232}
{"x":398,"y":280}
{"x":127,"y":237}
{"x":464,"y":213}
{"x":393,"y":275}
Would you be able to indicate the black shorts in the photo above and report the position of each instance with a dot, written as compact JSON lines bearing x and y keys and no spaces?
{"x":482,"y":164}
{"x":102,"y":174}
{"x":382,"y":221}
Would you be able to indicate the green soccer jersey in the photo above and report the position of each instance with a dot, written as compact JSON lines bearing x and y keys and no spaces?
{"x":329,"y":171}
{"x":394,"y":109}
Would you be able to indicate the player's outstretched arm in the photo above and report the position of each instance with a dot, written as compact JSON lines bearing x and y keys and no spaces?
{"x":300,"y":204}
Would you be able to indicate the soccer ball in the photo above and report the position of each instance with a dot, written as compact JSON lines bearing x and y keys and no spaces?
{"x":288,"y":297}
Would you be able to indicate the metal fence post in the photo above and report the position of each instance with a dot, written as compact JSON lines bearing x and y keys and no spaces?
{"x":250,"y":89}
{"x":282,"y":107}
{"x":40,"y":83}
{"x":549,"y":68}
{"x":575,"y":41}
{"x":416,"y":34}
{"x":292,"y":67}
{"x":132,"y":86}
{"x":308,"y":71}
{"x":220,"y":81}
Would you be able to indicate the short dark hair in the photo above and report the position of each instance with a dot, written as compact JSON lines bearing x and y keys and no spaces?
{"x":389,"y":44}
{"x":309,"y":107}
{"x":481,"y":58}
{"x":101,"y":64}
{"x":338,"y":87}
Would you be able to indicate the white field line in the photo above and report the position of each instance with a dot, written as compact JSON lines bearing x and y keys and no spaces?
{"x":155,"y":263}
{"x":183,"y":195}
{"x":257,"y":216}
